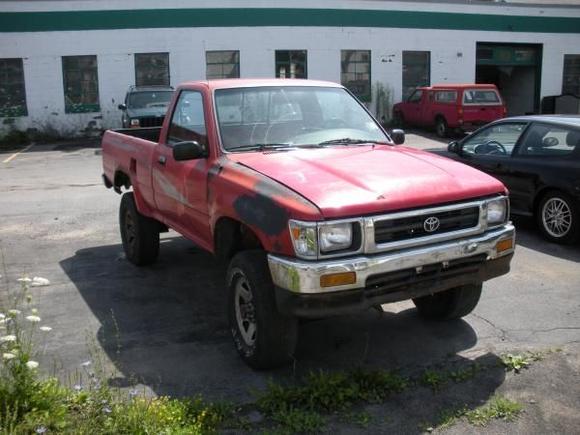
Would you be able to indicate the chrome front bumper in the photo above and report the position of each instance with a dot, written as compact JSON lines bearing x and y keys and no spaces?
{"x":303,"y":277}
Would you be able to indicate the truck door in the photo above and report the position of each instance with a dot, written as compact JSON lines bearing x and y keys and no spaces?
{"x":414,"y":103}
{"x":180,"y":187}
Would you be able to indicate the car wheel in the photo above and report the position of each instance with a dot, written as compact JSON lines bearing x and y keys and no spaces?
{"x":441,"y":127}
{"x":398,"y":120}
{"x":559,"y":218}
{"x":263,"y":337}
{"x":449,"y":304}
{"x":140,"y":234}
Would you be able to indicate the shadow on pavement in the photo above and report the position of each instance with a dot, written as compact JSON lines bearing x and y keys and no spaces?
{"x":528,"y":235}
{"x":165,"y":326}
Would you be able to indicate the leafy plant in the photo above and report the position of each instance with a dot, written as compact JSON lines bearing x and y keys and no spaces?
{"x":432,"y":379}
{"x":497,"y":408}
{"x":515,"y":362}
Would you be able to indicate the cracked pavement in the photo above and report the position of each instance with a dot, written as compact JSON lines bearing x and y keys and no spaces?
{"x":164,"y":327}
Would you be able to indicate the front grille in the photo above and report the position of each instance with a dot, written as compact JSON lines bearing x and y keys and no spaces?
{"x":401,"y":280}
{"x":411,"y":227}
{"x":151,"y":121}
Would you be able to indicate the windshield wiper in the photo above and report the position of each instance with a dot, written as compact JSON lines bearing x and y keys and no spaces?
{"x":271,"y":146}
{"x":350,"y":141}
{"x":260,"y":146}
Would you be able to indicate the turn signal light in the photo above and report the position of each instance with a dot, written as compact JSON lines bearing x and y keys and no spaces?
{"x":504,"y":245}
{"x":335,"y":279}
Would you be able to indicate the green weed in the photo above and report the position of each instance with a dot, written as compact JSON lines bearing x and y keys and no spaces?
{"x":433,"y":379}
{"x":497,"y":408}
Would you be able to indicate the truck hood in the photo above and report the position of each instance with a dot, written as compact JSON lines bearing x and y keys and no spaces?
{"x":360,"y":180}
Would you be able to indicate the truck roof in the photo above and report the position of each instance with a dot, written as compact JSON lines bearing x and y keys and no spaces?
{"x":459,"y":86}
{"x":249,"y":83}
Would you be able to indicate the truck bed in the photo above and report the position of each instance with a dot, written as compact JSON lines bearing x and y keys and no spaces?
{"x":148,"y":133}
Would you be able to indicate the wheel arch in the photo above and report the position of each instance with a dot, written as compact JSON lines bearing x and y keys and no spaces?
{"x":231,"y":236}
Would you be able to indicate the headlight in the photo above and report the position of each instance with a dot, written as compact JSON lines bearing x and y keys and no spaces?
{"x":135,"y":122}
{"x":334,"y":237}
{"x":304,"y":238}
{"x":313,"y":238}
{"x":497,"y":211}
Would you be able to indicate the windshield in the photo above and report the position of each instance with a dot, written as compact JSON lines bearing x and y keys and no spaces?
{"x":480,"y":96}
{"x":146,"y":99}
{"x":293,"y":116}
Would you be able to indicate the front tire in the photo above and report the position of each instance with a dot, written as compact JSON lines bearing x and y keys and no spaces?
{"x":449,"y":304}
{"x":559,"y":218}
{"x":263,"y":337}
{"x":140,"y":234}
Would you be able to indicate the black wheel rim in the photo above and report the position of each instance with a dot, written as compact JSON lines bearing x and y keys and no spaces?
{"x":130,"y":232}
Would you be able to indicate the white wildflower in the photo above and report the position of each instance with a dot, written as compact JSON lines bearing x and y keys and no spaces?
{"x":38,"y":281}
{"x":33,"y":319}
{"x":14,"y":312}
{"x":7,"y":338}
{"x":2,"y":316}
{"x":45,"y":328}
{"x":8,"y":356}
{"x":32,"y":365}
{"x":86,"y":364}
{"x":34,"y":311}
{"x":24,"y":279}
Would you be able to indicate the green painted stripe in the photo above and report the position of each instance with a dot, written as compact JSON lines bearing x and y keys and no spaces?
{"x":168,"y":18}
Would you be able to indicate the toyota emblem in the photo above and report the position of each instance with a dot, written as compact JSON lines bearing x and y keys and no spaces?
{"x":431,"y":224}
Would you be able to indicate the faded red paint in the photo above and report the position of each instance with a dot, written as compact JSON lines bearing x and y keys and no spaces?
{"x":264,"y":190}
{"x":456,"y":115}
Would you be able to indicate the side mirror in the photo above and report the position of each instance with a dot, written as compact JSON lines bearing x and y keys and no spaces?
{"x":453,"y":147}
{"x":122,"y":107}
{"x":398,"y":136}
{"x":190,"y":150}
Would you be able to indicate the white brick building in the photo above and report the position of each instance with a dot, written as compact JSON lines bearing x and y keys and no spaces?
{"x":67,"y":64}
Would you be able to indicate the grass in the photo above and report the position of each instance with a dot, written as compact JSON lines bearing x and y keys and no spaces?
{"x":293,"y":421}
{"x":32,"y":404}
{"x":498,"y":408}
{"x":330,"y":392}
{"x":518,"y":362}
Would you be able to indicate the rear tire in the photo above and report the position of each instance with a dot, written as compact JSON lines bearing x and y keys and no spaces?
{"x":263,"y":337}
{"x":441,"y":127}
{"x":139,"y":233}
{"x":449,"y":304}
{"x":398,"y":120}
{"x":558,"y":218}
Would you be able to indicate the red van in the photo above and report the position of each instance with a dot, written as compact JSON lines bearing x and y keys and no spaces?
{"x":463,"y":107}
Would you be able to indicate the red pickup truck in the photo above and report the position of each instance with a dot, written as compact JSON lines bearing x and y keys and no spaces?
{"x":307,"y":199}
{"x":463,"y":107}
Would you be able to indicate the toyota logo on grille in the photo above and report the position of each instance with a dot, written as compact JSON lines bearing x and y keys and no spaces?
{"x":431,"y":224}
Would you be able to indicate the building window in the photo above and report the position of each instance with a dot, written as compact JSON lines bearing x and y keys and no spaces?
{"x":152,"y":69}
{"x":223,"y":64}
{"x":355,"y":72}
{"x":12,"y":92}
{"x":571,"y":80}
{"x":81,"y":84}
{"x":291,"y":64}
{"x":416,"y":71}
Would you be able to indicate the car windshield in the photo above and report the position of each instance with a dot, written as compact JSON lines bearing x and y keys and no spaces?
{"x":147,"y":99}
{"x":481,"y":96}
{"x":293,"y":116}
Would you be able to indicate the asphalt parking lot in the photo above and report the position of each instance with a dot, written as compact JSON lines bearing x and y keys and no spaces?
{"x":164,"y":327}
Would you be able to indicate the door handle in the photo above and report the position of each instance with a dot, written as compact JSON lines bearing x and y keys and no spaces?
{"x":161,"y":160}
